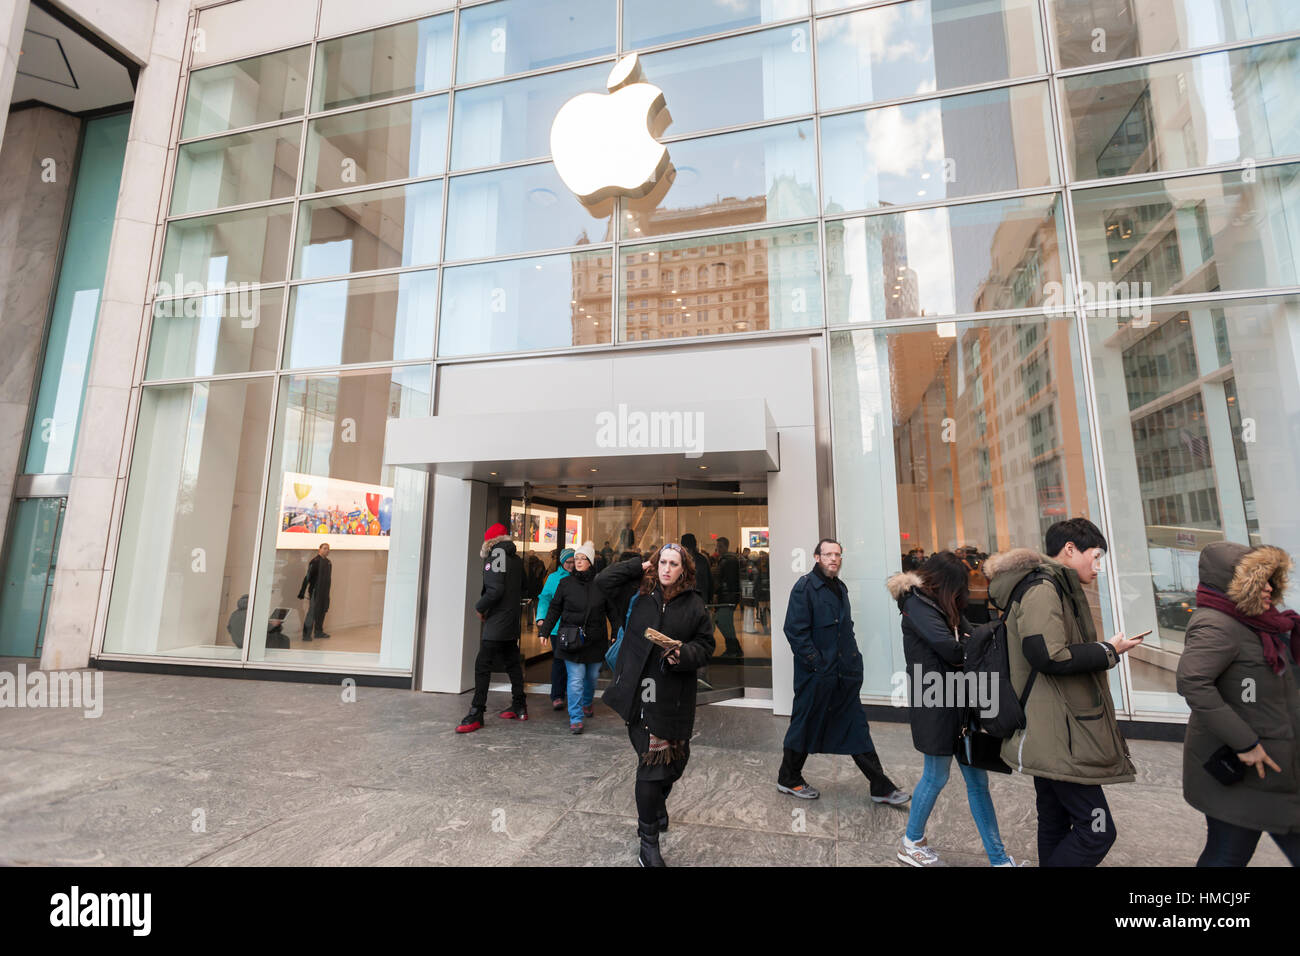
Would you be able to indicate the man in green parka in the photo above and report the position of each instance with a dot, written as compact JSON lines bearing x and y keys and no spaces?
{"x":1071,"y":744}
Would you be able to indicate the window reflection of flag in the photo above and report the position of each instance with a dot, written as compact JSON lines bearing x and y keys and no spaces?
{"x":1198,"y":446}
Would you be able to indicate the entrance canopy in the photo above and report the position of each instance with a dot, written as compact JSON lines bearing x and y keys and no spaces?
{"x":714,"y":439}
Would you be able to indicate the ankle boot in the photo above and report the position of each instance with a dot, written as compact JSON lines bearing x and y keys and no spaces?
{"x":649,"y":855}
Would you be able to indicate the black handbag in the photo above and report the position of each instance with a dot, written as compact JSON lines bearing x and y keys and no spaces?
{"x":979,"y":750}
{"x":572,"y":637}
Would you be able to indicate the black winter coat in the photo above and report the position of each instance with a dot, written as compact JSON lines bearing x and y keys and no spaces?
{"x":727,"y":587}
{"x":579,"y":601}
{"x":316,"y":583}
{"x":827,"y":716}
{"x":931,"y":650}
{"x":644,"y":683}
{"x":503,"y":589}
{"x":703,"y":576}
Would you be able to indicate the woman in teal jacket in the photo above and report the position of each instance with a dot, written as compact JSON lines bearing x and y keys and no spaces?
{"x":559,"y":674}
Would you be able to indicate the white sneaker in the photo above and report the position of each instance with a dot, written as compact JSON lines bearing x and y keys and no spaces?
{"x":1011,"y":861}
{"x":918,"y":854}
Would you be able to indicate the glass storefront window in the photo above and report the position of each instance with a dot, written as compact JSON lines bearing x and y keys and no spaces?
{"x":185,"y":558}
{"x":1194,"y":404}
{"x":507,"y":122}
{"x":651,"y":22}
{"x":232,"y":170}
{"x":733,"y":179}
{"x":250,"y":245}
{"x":548,"y":302}
{"x":515,"y":36}
{"x":749,"y":78}
{"x":222,"y":334}
{"x":1093,"y":32}
{"x":375,"y":319}
{"x":976,"y":257}
{"x":257,"y":90}
{"x":520,"y":209}
{"x":974,"y":436}
{"x":712,"y":285}
{"x":376,"y":229}
{"x":393,"y":61}
{"x":1234,"y":230}
{"x":924,"y":46}
{"x":948,"y":148}
{"x":329,"y":485}
{"x":367,"y":147}
{"x":1177,"y":114}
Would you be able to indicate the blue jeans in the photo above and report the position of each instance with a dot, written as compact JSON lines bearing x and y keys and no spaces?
{"x":933,"y":778}
{"x":582,"y":687}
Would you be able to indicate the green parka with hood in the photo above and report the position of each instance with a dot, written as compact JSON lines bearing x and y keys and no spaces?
{"x":1070,"y":730}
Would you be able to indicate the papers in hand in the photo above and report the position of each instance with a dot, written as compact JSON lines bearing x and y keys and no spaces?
{"x":663,"y":640}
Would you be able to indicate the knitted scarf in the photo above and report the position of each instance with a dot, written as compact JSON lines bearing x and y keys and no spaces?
{"x":1271,"y":626}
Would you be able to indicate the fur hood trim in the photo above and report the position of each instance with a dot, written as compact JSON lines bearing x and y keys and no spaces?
{"x":1017,"y":559}
{"x":491,"y":543}
{"x":1265,"y":563}
{"x":899,"y":584}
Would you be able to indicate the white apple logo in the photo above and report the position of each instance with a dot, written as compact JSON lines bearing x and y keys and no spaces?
{"x":603,"y":144}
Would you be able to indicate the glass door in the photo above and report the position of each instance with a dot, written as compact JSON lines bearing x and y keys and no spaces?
{"x":29,"y":574}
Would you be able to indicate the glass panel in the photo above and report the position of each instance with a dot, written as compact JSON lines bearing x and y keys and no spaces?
{"x":544,"y":303}
{"x":378,"y":229}
{"x":977,"y":257}
{"x":180,"y":587}
{"x":237,"y":331}
{"x":506,"y":122}
{"x":521,"y":209}
{"x":251,"y":245}
{"x":78,"y":288}
{"x":331,"y":489}
{"x":376,"y":319}
{"x":651,"y":22}
{"x":402,"y":141}
{"x":515,"y":36}
{"x":939,"y":149}
{"x":1216,"y":108}
{"x":1094,"y":32}
{"x":394,"y":61}
{"x":750,"y":78}
{"x":924,"y":46}
{"x":28,"y":582}
{"x":245,"y":93}
{"x":976,"y":430}
{"x":232,"y":170}
{"x":759,"y":175}
{"x":710,"y":285}
{"x":1195,"y":234}
{"x":1187,"y":399}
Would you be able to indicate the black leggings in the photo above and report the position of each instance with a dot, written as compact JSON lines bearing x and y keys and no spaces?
{"x":652,"y":799}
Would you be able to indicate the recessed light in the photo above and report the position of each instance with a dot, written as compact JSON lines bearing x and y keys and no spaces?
{"x":704,"y":467}
{"x":595,"y":469}
{"x":491,"y":472}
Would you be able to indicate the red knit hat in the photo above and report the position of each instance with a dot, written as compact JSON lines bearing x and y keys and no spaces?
{"x":496,"y":531}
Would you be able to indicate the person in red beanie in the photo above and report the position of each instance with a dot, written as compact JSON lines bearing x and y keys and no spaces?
{"x":498,"y":608}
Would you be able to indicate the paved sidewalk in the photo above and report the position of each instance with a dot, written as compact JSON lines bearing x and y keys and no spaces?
{"x":200,"y":771}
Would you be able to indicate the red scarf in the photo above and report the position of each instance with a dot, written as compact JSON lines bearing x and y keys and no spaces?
{"x":1271,"y":626}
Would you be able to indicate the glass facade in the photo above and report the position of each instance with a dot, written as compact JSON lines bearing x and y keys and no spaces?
{"x":1050,"y":248}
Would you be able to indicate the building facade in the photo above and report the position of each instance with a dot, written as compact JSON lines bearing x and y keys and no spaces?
{"x":923,"y":275}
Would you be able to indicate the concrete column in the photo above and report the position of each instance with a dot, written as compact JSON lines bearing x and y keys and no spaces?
{"x":451,"y":629}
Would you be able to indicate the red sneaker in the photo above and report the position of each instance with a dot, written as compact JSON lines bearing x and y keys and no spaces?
{"x":470,"y":722}
{"x":514,"y":713}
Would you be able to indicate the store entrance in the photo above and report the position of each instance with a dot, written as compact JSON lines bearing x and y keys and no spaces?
{"x":730,"y":525}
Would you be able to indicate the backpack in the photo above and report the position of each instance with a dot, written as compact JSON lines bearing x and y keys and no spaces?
{"x":611,"y":655}
{"x":987,"y":656}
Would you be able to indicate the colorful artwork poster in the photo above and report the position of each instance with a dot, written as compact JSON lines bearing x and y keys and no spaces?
{"x":572,"y":530}
{"x":756,"y":538}
{"x":346,"y":515}
{"x":549,"y":525}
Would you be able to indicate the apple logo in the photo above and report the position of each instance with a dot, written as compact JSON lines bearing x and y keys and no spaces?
{"x":603,"y":145}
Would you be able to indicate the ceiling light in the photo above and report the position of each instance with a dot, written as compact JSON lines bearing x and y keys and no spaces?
{"x":704,"y":467}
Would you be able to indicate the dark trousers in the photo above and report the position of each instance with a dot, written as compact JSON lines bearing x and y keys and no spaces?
{"x":498,"y":656}
{"x":314,"y":622}
{"x":1075,"y":827}
{"x":1227,"y":844}
{"x":725,"y":617}
{"x":791,"y":772}
{"x":559,"y":680}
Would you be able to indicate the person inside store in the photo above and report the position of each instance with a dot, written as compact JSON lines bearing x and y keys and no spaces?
{"x":316,"y":589}
{"x":726,"y":597}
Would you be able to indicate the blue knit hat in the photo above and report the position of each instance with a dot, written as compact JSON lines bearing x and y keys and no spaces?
{"x":566,"y":555}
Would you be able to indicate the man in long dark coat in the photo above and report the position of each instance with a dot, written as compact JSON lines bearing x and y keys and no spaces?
{"x":317,"y":585}
{"x":827,"y":717}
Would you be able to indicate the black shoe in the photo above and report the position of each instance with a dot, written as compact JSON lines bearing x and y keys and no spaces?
{"x":321,"y":635}
{"x":649,"y":854}
{"x":306,"y":636}
{"x":470,"y":722}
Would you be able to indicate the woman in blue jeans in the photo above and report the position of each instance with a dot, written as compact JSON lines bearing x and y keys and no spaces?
{"x":579,"y":605}
{"x":931,"y":600}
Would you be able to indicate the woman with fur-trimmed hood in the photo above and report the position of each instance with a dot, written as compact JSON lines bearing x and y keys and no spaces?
{"x":1237,"y":676}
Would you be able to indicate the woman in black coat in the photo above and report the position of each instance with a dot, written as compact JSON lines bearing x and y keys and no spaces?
{"x":931,"y":600}
{"x":581,"y":606}
{"x":653,"y":690}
